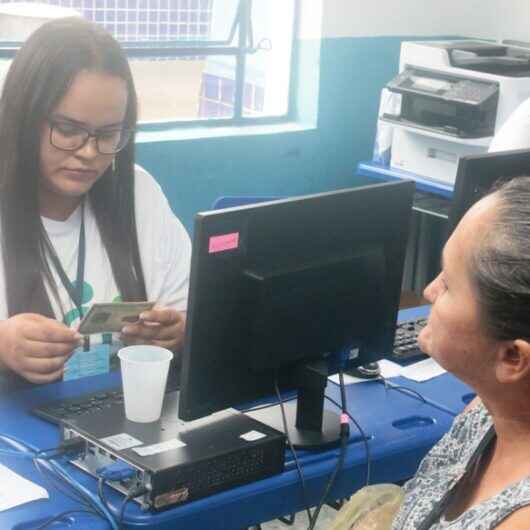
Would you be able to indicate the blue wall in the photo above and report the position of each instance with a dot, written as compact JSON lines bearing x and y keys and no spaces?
{"x":352,"y":73}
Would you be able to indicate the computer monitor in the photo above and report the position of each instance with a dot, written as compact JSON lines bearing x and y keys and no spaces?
{"x":476,"y":175}
{"x":279,"y":289}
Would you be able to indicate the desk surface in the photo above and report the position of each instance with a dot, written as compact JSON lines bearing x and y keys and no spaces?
{"x":401,"y":429}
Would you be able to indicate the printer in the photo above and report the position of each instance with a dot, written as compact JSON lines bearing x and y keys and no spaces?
{"x":449,"y":100}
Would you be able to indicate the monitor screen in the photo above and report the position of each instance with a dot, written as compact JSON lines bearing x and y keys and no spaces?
{"x":280,"y":285}
{"x":477,"y":174}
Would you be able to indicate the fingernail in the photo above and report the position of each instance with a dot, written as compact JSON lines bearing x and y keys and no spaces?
{"x":126,"y":329}
{"x":143,"y":316}
{"x":78,"y":336}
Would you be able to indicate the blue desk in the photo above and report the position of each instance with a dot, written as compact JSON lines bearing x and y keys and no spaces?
{"x":401,"y":429}
{"x":386,"y":173}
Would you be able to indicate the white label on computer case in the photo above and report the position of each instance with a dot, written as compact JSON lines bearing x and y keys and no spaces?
{"x":120,"y":442}
{"x":252,"y":436}
{"x":162,"y":447}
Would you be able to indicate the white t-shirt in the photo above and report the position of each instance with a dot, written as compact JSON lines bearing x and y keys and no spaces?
{"x":515,"y":132}
{"x":165,"y":253}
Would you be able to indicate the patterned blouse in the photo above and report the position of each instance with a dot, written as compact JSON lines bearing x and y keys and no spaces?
{"x":428,"y":493}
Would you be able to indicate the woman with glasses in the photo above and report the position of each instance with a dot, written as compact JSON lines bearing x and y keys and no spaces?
{"x":79,"y":222}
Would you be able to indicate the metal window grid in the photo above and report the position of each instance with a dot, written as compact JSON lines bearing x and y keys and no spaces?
{"x":169,"y":29}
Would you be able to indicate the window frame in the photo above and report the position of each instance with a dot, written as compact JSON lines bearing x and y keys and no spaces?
{"x":242,"y":25}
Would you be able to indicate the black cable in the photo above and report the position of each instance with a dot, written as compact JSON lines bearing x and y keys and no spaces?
{"x":101,"y":493}
{"x":133,"y":494}
{"x":342,"y":388}
{"x":70,"y":445}
{"x":344,"y":437}
{"x":39,"y":460}
{"x":122,"y":509}
{"x":102,"y":498}
{"x":64,"y":514}
{"x":57,"y":483}
{"x":365,"y":440}
{"x":331,"y":481}
{"x":400,"y":388}
{"x":295,"y":456}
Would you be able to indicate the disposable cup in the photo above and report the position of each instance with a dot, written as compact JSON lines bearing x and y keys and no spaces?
{"x":144,"y":372}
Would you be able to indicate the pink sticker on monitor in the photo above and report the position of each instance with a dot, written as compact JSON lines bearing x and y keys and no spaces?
{"x":223,"y":242}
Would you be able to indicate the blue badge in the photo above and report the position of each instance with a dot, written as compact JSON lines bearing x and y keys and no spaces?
{"x":85,"y":363}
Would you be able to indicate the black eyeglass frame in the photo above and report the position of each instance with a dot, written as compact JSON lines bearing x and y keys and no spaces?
{"x":126,"y":132}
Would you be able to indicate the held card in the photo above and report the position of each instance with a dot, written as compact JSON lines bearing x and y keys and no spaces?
{"x":111,"y":317}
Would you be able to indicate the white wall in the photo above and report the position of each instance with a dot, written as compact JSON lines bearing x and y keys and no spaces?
{"x":513,"y":20}
{"x":311,"y":12}
{"x":373,"y":18}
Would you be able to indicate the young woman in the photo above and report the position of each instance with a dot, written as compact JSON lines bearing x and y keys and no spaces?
{"x":79,"y":223}
{"x":478,"y":475}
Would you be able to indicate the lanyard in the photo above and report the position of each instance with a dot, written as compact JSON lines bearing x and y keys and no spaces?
{"x":76,"y":293}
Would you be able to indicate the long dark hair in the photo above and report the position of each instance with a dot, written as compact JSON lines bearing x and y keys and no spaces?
{"x":500,"y":264}
{"x":39,"y":77}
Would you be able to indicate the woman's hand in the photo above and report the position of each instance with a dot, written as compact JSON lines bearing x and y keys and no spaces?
{"x":36,"y":347}
{"x":161,"y":326}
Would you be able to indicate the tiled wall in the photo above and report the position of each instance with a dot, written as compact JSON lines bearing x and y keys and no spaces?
{"x":217,"y":97}
{"x":145,"y":19}
{"x":159,"y":20}
{"x":137,"y":20}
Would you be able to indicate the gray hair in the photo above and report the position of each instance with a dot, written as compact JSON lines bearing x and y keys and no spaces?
{"x":500,"y":264}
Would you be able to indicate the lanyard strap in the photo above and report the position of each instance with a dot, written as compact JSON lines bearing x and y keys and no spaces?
{"x":76,"y":293}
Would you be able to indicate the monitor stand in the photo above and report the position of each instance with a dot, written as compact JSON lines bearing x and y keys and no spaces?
{"x":310,"y":426}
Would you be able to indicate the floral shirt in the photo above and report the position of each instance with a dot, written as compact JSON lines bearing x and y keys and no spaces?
{"x":444,"y":467}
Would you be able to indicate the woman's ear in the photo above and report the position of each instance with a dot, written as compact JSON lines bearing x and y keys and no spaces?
{"x":513,"y":361}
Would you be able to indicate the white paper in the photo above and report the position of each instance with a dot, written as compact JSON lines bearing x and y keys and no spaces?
{"x":420,"y":371}
{"x":423,"y":370}
{"x":16,"y":490}
{"x":390,"y":369}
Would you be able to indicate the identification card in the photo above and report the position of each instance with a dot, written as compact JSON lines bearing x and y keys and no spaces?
{"x":112,"y":317}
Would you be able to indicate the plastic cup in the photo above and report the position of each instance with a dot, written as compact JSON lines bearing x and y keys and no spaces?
{"x":144,"y":372}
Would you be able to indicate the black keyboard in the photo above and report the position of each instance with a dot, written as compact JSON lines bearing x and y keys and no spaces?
{"x":89,"y":403}
{"x":406,"y":341}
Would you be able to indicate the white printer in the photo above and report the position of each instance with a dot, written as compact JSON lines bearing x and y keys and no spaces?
{"x":452,"y":98}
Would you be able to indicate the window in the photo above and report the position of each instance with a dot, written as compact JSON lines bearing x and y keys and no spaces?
{"x":214,"y":60}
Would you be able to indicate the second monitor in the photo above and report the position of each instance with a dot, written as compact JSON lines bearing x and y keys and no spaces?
{"x":279,"y":291}
{"x":478,"y":173}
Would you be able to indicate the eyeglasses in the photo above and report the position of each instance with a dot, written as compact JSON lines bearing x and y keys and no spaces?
{"x":70,"y":137}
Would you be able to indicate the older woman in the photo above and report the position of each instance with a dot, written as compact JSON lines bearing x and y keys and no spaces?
{"x":478,"y":475}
